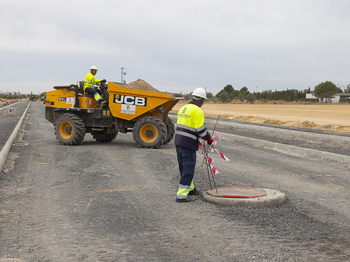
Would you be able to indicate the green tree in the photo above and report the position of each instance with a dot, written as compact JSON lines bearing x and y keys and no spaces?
{"x":229,"y":89}
{"x":224,"y":96}
{"x":244,"y":91}
{"x":210,"y":95}
{"x":325,"y":90}
{"x":187,"y":97}
{"x":251,"y":98}
{"x":214,"y":99}
{"x":347,"y":89}
{"x":241,"y":97}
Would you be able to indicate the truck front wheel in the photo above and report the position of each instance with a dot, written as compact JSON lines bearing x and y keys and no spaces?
{"x":69,"y":129}
{"x":150,"y":132}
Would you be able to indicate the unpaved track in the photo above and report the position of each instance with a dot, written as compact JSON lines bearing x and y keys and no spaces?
{"x":116,"y":202}
{"x":328,"y":116}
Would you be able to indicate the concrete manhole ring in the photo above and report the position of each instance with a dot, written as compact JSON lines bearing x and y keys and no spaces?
{"x":237,"y":191}
{"x":272,"y":198}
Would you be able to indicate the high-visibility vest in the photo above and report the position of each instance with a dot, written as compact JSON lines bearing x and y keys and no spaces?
{"x":190,"y":127}
{"x":90,"y":81}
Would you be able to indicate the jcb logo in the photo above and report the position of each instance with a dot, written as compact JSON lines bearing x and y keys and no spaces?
{"x":130,"y":100}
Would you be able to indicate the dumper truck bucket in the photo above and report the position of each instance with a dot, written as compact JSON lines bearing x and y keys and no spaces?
{"x":132,"y":104}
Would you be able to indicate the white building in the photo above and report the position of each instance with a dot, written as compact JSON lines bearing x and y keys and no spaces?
{"x":333,"y":100}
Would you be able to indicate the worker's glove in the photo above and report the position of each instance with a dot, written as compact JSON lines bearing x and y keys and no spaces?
{"x":103,"y":81}
{"x":212,"y":142}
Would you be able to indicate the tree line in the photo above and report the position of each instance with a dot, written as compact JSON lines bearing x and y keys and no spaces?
{"x":16,"y":96}
{"x":324,"y":91}
{"x":13,"y":96}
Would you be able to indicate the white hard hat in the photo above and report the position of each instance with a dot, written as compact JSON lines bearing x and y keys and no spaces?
{"x":199,"y":92}
{"x":93,"y":67}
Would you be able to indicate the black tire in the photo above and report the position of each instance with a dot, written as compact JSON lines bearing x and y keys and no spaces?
{"x":69,"y":129}
{"x":149,"y":132}
{"x":170,"y":127}
{"x":103,"y":136}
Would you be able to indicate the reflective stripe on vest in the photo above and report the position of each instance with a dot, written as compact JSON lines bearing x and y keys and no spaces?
{"x":190,"y":126}
{"x":90,"y":81}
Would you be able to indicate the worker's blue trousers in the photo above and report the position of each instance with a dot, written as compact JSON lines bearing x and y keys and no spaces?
{"x":95,"y":92}
{"x":187,"y":161}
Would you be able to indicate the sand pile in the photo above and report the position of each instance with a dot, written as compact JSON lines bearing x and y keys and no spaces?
{"x":140,"y":84}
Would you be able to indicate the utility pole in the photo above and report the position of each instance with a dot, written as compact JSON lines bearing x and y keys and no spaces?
{"x":122,"y":74}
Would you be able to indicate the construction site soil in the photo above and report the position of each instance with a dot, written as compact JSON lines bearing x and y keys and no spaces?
{"x":140,"y":84}
{"x":320,"y":116}
{"x":116,"y":202}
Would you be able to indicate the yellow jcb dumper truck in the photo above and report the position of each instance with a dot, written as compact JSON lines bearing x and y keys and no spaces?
{"x":144,"y":113}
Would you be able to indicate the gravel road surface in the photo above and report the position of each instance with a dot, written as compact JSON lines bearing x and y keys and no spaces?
{"x":9,"y":117}
{"x":116,"y":202}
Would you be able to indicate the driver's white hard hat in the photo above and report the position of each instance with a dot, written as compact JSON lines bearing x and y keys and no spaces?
{"x":93,"y":67}
{"x":199,"y":93}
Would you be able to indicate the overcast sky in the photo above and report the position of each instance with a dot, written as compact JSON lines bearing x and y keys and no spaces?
{"x":175,"y":46}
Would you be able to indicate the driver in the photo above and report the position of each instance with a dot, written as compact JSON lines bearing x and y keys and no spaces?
{"x":90,"y":86}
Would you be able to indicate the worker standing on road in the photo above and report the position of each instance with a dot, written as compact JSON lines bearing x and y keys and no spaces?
{"x":91,"y":85}
{"x":190,"y":127}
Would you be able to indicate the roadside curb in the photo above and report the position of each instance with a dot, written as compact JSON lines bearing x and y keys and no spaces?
{"x":281,"y":131}
{"x":273,"y":198}
{"x":6,"y":149}
{"x":295,"y":133}
{"x":286,"y":149}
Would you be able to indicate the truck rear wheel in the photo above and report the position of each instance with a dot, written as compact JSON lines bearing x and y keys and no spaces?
{"x":170,"y":126}
{"x":69,"y":129}
{"x":149,"y":132}
{"x":103,"y":136}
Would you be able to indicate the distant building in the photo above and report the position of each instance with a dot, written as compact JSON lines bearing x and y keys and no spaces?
{"x":333,"y":100}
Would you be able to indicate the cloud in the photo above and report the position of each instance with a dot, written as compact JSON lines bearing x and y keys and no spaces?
{"x":178,"y":44}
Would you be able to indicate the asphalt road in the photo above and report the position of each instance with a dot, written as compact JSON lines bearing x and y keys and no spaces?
{"x":116,"y":202}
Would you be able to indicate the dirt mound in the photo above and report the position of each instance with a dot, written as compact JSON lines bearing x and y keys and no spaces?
{"x":308,"y":124}
{"x":140,"y":84}
{"x":340,"y":128}
{"x":304,"y":124}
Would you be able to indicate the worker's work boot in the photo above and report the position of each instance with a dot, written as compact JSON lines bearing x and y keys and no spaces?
{"x":194,"y":192}
{"x":188,"y":199}
{"x":103,"y":103}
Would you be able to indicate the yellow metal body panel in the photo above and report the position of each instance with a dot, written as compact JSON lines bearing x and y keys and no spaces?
{"x":60,"y":97}
{"x":64,"y":98}
{"x":129,"y":104}
{"x":87,"y":102}
{"x":124,"y":103}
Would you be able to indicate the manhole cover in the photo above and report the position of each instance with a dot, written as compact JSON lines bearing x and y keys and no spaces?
{"x":238,"y":192}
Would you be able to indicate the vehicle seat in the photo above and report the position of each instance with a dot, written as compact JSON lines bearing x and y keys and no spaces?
{"x":81,"y":90}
